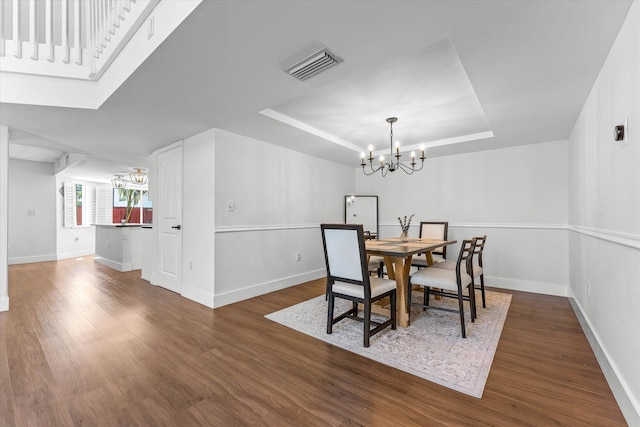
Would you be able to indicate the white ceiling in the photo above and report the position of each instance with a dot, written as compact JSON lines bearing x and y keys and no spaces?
{"x":480,"y":74}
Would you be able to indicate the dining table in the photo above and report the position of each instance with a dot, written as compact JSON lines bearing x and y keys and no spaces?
{"x":397,"y":259}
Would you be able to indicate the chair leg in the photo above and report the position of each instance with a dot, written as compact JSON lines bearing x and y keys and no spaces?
{"x":393,"y":309}
{"x":425,"y":300}
{"x":367,"y":323}
{"x":409,"y":287}
{"x":461,"y":306}
{"x":484,"y":302}
{"x":330,"y":313}
{"x":472,"y":301}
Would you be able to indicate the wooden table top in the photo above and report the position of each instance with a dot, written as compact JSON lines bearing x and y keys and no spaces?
{"x":393,"y":246}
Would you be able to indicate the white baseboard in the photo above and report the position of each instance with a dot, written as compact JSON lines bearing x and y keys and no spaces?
{"x":75,"y":254}
{"x":629,"y":407}
{"x":546,"y":288}
{"x":122,"y":267}
{"x":197,"y":295}
{"x":31,"y":259}
{"x":4,"y":304}
{"x":266,"y":287}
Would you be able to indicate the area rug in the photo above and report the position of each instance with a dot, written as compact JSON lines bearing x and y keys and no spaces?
{"x":431,"y":348}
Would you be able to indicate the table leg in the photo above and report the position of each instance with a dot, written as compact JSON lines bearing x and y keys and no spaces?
{"x":388,"y":262}
{"x":429,"y":257}
{"x":402,"y":268}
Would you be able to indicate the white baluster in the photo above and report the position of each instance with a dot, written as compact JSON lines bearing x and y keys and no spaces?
{"x":65,"y":31}
{"x":77,"y":46}
{"x":112,"y":17}
{"x":105,"y":22}
{"x":17,"y":48}
{"x":117,"y":16}
{"x":33,"y":29}
{"x":91,"y":31}
{"x":49,"y":29}
{"x":2,"y":40}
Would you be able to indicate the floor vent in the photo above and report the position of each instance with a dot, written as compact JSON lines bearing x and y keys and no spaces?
{"x":313,"y":64}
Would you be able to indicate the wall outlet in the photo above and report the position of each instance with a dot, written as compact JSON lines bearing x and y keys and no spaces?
{"x":191,"y":265}
{"x":298,"y":256}
{"x":231,"y":206}
{"x":588,"y":288}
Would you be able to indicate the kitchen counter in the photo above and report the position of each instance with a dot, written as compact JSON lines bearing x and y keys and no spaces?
{"x":120,"y":246}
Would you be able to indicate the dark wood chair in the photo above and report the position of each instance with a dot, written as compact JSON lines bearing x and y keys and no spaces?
{"x":450,"y":283}
{"x":478,"y":271}
{"x":432,"y":230}
{"x":376,"y":263}
{"x":348,"y":278}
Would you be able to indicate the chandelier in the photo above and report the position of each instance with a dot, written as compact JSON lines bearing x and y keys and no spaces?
{"x":138,"y":177}
{"x":391,"y":165}
{"x":119,"y":182}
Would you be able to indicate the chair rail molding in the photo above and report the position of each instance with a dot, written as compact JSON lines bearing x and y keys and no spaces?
{"x":621,"y":238}
{"x":625,"y":239}
{"x":270,"y":227}
{"x":491,"y":225}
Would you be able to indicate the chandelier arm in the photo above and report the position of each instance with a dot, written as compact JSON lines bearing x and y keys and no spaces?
{"x":406,"y":169}
{"x":372,"y":169}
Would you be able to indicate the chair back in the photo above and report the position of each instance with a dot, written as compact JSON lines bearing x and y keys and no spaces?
{"x":345,"y":254}
{"x":480,"y":242}
{"x":435,"y":230}
{"x":465,"y":257}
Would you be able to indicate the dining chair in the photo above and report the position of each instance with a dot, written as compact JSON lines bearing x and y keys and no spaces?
{"x":450,"y":283}
{"x":348,"y":278}
{"x":478,"y":271}
{"x":376,"y":265}
{"x":432,"y":230}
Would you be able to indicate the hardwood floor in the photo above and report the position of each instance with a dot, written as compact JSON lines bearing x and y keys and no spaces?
{"x":86,"y":345}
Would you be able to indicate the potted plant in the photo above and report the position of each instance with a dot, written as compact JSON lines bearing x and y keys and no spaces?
{"x":405,"y":224}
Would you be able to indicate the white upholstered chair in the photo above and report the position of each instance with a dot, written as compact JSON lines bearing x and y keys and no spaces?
{"x":478,"y":272}
{"x":432,"y":230}
{"x":348,"y":278}
{"x":450,"y":283}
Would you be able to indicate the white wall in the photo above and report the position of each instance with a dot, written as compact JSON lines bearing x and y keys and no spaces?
{"x":516,"y":196}
{"x":198,"y":217}
{"x":32,"y":212}
{"x":604,"y":215}
{"x":4,"y":213}
{"x":71,"y":242}
{"x":280,"y":197}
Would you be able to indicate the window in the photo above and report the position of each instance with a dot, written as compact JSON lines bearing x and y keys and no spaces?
{"x":102,"y":205}
{"x":132,"y":205}
{"x":76,"y":209}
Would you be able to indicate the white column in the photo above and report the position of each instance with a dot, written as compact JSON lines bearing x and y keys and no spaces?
{"x":4,"y":211}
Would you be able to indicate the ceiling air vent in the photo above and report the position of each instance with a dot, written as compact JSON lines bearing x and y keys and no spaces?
{"x":313,"y":64}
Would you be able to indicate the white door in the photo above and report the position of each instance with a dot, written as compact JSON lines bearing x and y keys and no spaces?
{"x":169,"y":219}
